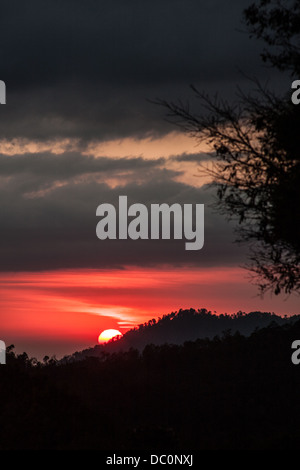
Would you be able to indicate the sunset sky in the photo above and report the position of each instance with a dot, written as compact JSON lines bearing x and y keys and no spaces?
{"x":79,"y":129}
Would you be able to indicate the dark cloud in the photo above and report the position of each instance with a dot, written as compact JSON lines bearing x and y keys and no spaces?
{"x":192,"y":157}
{"x":58,"y":228}
{"x":119,"y":41}
{"x":86,"y":69}
{"x":69,"y":164}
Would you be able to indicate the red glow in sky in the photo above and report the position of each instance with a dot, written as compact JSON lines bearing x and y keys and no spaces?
{"x":60,"y":312}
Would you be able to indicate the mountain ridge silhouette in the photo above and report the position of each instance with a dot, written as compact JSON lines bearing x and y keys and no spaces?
{"x":226,"y":393}
{"x":185,"y":325}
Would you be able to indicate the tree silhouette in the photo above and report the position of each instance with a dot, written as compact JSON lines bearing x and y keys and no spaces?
{"x":277,"y":23}
{"x":255,"y":153}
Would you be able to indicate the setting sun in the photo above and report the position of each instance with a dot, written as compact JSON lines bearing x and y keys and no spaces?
{"x":106,"y":335}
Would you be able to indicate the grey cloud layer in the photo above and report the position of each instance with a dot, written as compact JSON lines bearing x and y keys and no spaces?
{"x":58,"y":229}
{"x":69,"y":164}
{"x":86,"y":69}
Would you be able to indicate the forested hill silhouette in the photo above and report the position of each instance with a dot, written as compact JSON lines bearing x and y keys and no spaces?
{"x":187,"y":325}
{"x":232,"y":392}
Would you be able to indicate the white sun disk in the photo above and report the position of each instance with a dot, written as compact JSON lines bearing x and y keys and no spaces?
{"x":106,"y":335}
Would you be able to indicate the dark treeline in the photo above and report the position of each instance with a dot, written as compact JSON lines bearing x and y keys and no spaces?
{"x":187,"y":325}
{"x":229,"y":392}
